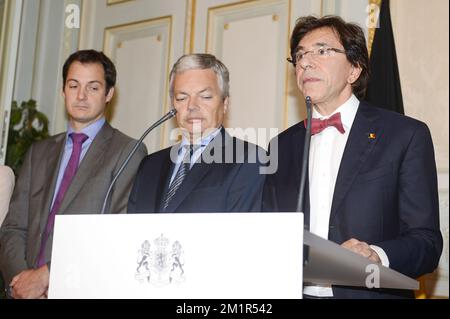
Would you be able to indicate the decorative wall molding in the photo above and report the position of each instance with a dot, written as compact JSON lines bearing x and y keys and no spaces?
{"x":140,"y":90}
{"x":190,"y":26}
{"x":113,"y":2}
{"x":257,"y":30}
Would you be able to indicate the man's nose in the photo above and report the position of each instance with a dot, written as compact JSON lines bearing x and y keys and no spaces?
{"x":307,"y":62}
{"x":192,"y":103}
{"x":81,"y":94}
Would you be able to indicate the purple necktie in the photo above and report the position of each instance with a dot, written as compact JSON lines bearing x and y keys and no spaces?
{"x":78,"y":139}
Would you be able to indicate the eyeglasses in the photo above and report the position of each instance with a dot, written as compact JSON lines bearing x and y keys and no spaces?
{"x":319,"y":53}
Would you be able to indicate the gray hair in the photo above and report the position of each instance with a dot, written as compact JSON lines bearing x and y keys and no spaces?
{"x":201,"y":61}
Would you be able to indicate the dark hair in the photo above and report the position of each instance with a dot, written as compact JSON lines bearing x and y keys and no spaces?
{"x":351,"y":37}
{"x":92,"y":56}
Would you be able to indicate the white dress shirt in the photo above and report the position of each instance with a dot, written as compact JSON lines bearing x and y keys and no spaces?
{"x":326,"y":150}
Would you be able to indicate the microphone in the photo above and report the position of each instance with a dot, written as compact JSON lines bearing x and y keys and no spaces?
{"x":166,"y":117}
{"x":305,"y":159}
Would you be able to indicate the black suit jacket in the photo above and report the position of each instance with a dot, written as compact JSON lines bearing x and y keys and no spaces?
{"x":385,"y":193}
{"x":232,"y":183}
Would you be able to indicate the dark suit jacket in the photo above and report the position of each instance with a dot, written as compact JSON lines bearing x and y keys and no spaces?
{"x":20,"y":234}
{"x":230,"y":184}
{"x":385,"y":193}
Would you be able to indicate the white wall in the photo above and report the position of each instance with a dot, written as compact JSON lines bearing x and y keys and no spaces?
{"x":421,"y":32}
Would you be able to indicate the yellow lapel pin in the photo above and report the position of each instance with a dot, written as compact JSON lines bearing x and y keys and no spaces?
{"x":372,"y":136}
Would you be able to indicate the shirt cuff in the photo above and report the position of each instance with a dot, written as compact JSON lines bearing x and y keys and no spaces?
{"x":383,"y":257}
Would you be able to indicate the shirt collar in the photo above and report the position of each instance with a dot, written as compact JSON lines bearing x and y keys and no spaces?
{"x":204,"y":141}
{"x":348,"y":112}
{"x":91,"y":130}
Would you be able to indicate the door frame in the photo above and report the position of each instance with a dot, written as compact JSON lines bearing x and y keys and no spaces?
{"x":9,"y":41}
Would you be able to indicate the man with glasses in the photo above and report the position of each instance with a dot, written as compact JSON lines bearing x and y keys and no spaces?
{"x":372,"y":183}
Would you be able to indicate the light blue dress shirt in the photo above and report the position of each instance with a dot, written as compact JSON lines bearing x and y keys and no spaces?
{"x":91,"y":131}
{"x":198,"y":151}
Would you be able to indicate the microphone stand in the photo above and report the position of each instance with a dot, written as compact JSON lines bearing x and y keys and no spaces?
{"x":166,"y":117}
{"x":305,"y":159}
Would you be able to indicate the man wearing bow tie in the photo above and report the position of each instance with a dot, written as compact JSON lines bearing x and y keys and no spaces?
{"x":372,"y":183}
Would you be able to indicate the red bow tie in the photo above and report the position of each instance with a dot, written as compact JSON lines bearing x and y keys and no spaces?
{"x":318,"y":125}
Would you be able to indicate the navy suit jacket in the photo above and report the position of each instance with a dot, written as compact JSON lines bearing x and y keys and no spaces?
{"x":232,"y":183}
{"x":385,"y":193}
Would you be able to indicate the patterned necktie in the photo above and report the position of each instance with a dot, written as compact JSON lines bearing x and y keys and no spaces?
{"x":183,"y":170}
{"x":78,"y":139}
{"x":318,"y":125}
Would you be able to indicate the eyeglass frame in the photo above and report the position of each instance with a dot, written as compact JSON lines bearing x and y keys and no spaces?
{"x":327,"y":49}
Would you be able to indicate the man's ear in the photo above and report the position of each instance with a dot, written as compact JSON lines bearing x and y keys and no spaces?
{"x":354,"y":74}
{"x":110,"y":95}
{"x":225,"y":104}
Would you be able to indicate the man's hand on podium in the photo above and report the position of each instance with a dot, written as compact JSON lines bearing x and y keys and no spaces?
{"x":30,"y":284}
{"x":361,"y":248}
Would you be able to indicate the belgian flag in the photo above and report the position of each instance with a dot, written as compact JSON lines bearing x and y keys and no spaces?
{"x":384,"y":88}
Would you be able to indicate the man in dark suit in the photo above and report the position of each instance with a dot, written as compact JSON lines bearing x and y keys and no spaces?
{"x":68,"y":173}
{"x":209,"y":171}
{"x":372,"y":184}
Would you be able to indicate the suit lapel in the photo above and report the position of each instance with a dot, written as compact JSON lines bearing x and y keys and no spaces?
{"x":199,"y":170}
{"x":164,"y":178}
{"x":91,"y":163}
{"x":299,"y":138}
{"x":54,"y":155}
{"x":358,"y":148}
{"x":196,"y":174}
